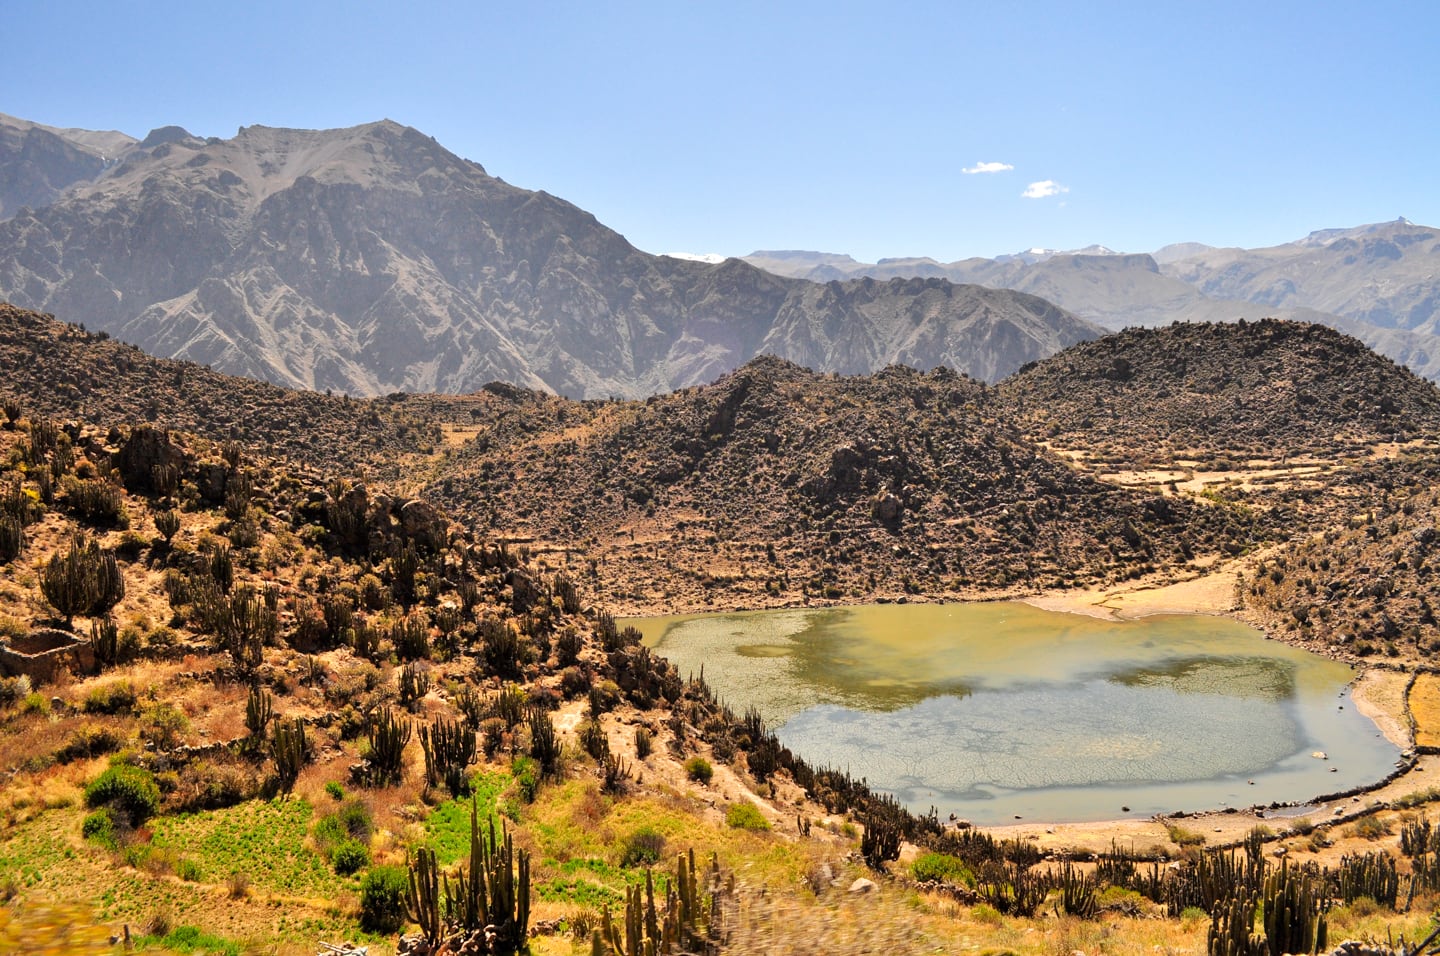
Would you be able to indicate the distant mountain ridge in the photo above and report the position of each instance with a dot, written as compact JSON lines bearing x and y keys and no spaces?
{"x":369,"y":260}
{"x":1378,"y":282}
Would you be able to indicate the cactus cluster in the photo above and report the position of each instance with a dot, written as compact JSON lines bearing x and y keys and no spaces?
{"x":449,"y":748}
{"x":689,"y":919}
{"x":84,"y":579}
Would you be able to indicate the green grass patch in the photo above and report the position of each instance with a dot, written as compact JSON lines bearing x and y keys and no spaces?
{"x":190,"y":939}
{"x":263,"y":840}
{"x":447,"y":828}
{"x":746,"y":816}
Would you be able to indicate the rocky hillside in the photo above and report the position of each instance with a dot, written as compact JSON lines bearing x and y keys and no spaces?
{"x":1206,"y":391}
{"x":370,"y":260}
{"x":778,"y":485}
{"x":63,"y":371}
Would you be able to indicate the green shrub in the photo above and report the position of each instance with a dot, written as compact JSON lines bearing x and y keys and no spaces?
{"x":941,"y":868}
{"x":116,"y":697}
{"x":1369,"y":828}
{"x":746,"y":816}
{"x":699,"y":769}
{"x":334,"y":789}
{"x":382,"y":899}
{"x":644,"y":847}
{"x":527,"y":777}
{"x":99,"y":827}
{"x":350,"y":856}
{"x":128,"y":789}
{"x":1184,"y":837}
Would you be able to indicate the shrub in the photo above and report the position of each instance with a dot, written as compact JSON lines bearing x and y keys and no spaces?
{"x":349,"y":857}
{"x":382,"y":899}
{"x":527,"y":777}
{"x":1183,"y":837}
{"x":746,"y":816}
{"x":1369,"y":828}
{"x":942,"y":868}
{"x":100,"y":828}
{"x":128,"y":789}
{"x":333,"y":788}
{"x":699,"y":769}
{"x":117,"y":697}
{"x":644,"y":847}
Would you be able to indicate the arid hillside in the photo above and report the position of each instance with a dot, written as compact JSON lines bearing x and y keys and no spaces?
{"x":779,"y":485}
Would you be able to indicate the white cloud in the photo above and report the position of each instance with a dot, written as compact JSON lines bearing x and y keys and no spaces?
{"x":987,"y":168}
{"x":1045,"y":187}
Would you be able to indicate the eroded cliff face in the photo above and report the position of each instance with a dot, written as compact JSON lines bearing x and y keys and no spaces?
{"x":372,"y":260}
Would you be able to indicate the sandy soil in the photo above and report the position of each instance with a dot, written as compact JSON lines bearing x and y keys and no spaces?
{"x":1210,"y":593}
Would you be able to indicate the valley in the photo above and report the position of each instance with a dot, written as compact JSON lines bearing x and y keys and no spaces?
{"x":260,"y":566}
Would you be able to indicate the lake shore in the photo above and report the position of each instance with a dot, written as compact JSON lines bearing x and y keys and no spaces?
{"x":1378,"y":694}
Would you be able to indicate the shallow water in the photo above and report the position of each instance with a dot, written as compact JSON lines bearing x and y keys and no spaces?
{"x":998,"y":710}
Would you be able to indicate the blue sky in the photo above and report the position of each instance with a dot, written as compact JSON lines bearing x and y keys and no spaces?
{"x":841,"y":127}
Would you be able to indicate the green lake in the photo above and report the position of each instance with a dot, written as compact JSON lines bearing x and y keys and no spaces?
{"x":996,"y":710}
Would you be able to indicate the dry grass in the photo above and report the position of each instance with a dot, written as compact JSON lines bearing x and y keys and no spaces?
{"x":1425,"y":707}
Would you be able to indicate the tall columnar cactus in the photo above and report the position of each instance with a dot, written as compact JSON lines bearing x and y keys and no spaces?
{"x":449,"y":749}
{"x":544,"y":743}
{"x":1295,"y":908}
{"x":1232,"y":929}
{"x":82,"y":580}
{"x":288,"y":749}
{"x":259,"y":709}
{"x":494,"y":889}
{"x":688,"y":922}
{"x":105,"y":642}
{"x":387,"y":737}
{"x":423,"y":897}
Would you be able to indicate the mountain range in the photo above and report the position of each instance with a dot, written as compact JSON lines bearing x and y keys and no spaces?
{"x":1377,"y":282}
{"x":369,"y":260}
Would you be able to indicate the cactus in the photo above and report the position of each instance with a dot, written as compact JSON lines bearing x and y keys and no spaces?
{"x":414,"y":684}
{"x":1370,"y":874}
{"x":689,"y":921}
{"x":1077,"y":892}
{"x":1295,"y":908}
{"x":644,"y":741}
{"x":449,"y":748}
{"x":422,"y":897}
{"x":82,"y":580}
{"x":259,"y":709}
{"x":495,"y":888}
{"x":288,"y":749}
{"x":105,"y":642}
{"x":167,"y":523}
{"x":593,"y":739}
{"x":12,"y":538}
{"x":245,"y":623}
{"x":387,"y":736}
{"x":880,"y":841}
{"x":544,"y":744}
{"x":1231,"y":929}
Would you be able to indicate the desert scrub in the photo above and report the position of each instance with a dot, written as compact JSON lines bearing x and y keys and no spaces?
{"x":746,"y":816}
{"x":941,"y":868}
{"x":382,"y":899}
{"x":128,"y":789}
{"x":699,"y":770}
{"x":644,"y":847}
{"x":1183,"y":837}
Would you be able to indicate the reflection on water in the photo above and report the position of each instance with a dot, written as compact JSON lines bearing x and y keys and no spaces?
{"x":993,"y":710}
